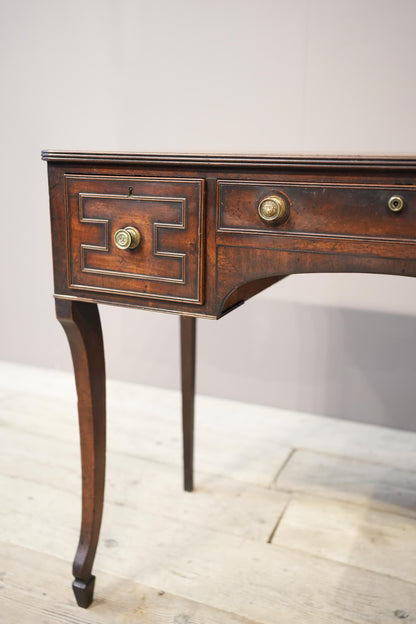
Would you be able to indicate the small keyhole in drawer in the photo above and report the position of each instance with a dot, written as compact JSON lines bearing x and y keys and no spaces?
{"x":396,"y":203}
{"x":130,"y":191}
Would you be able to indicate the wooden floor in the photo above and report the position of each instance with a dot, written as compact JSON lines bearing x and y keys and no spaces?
{"x":295,"y":518}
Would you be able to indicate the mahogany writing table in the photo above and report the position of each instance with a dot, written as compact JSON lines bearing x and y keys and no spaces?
{"x":197,"y":236}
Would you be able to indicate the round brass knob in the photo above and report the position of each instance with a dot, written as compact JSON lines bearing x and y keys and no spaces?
{"x":396,"y":203}
{"x":272,"y":208}
{"x":127,"y":238}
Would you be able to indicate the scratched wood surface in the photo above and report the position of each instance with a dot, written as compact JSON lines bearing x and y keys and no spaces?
{"x":294,"y":518}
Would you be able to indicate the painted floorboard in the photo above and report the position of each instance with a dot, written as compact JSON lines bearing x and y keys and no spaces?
{"x":27,"y":596}
{"x":343,"y":478}
{"x":352,"y":534}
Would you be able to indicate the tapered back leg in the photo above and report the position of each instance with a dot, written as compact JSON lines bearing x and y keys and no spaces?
{"x":188,"y":352}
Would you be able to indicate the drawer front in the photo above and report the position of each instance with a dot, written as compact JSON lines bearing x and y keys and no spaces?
{"x":323,"y":210}
{"x":168,"y":213}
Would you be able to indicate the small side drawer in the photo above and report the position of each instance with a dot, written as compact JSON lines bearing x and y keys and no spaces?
{"x":323,"y":210}
{"x":166,"y":263}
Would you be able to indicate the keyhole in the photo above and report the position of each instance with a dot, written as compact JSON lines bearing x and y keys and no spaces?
{"x":396,"y":203}
{"x":130,"y":191}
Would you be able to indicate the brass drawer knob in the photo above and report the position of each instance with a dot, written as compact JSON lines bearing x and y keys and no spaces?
{"x":127,"y":238}
{"x":272,"y":208}
{"x":396,"y":203}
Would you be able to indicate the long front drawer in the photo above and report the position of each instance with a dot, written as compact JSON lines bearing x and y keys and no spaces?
{"x":323,"y":210}
{"x":168,"y":214}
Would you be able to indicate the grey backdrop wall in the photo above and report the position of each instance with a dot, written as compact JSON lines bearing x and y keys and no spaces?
{"x":308,"y":76}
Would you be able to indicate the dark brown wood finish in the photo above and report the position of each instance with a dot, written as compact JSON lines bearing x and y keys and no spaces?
{"x":324,"y":210}
{"x":188,"y":361}
{"x":168,"y":212}
{"x":81,"y":323}
{"x":204,"y":251}
{"x":338,"y":208}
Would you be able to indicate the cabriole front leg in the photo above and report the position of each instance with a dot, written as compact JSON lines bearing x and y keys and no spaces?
{"x":82,"y":326}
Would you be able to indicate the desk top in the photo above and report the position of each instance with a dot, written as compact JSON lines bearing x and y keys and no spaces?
{"x":233,"y":160}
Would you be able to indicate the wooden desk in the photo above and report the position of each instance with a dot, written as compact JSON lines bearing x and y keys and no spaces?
{"x":198,"y":236}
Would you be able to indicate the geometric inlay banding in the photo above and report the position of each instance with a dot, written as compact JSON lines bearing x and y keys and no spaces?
{"x":168,"y":213}
{"x":106,"y":224}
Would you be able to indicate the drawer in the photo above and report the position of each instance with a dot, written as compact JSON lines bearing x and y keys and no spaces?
{"x":165,"y":256}
{"x":323,"y":210}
